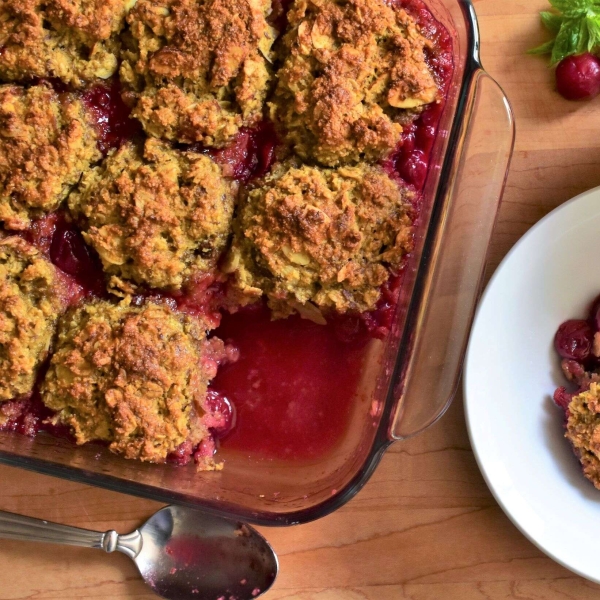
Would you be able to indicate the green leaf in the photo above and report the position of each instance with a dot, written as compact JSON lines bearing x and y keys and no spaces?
{"x":576,"y":25}
{"x":545,"y":48}
{"x":551,"y":21}
{"x":593,"y":25}
{"x":567,"y":40}
{"x":584,"y":37}
{"x":572,"y":8}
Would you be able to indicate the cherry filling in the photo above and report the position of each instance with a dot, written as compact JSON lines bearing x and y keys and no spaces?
{"x":278,"y":16}
{"x":25,"y":415}
{"x":410,"y":161}
{"x":111,"y":116}
{"x":72,"y":255}
{"x":249,"y":156}
{"x":285,"y":389}
{"x":62,"y":241}
{"x":222,"y":413}
{"x":574,"y":340}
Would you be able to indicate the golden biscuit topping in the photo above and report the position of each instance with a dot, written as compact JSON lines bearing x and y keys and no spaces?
{"x":131,"y":376}
{"x":583,"y":430}
{"x":29,"y":307}
{"x":312,"y":237}
{"x":73,"y":40}
{"x":354,"y":70}
{"x":155,"y":215}
{"x":46,"y":142}
{"x":198,"y":69}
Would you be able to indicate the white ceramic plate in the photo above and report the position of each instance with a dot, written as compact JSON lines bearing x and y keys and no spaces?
{"x":551,"y":275}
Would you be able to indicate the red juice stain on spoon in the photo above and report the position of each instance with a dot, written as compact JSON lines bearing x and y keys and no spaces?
{"x":293,"y":387}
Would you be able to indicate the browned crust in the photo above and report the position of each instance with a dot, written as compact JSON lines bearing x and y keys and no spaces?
{"x":131,"y":376}
{"x":583,"y":430}
{"x":320,"y":237}
{"x":155,"y":215}
{"x":30,"y":303}
{"x":46,"y":142}
{"x":73,"y":40}
{"x":353,"y":71}
{"x":198,"y":70}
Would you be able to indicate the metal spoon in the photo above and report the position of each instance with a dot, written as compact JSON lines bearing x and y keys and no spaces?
{"x":182,"y":554}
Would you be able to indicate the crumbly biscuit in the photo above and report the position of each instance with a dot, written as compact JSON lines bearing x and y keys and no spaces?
{"x":30,"y":303}
{"x":198,"y":69}
{"x":73,"y":40}
{"x":583,"y":430}
{"x":130,"y":375}
{"x":46,"y":142}
{"x":155,"y":215}
{"x":312,"y":237}
{"x":353,"y":71}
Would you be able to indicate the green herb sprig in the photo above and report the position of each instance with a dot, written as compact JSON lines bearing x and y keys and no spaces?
{"x":575,"y":25}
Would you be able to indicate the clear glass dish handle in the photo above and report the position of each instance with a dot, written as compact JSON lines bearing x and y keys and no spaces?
{"x":452,"y":279}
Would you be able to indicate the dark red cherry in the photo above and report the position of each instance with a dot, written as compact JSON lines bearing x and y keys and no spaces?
{"x":574,"y":339}
{"x":222,"y":412}
{"x":578,"y":77}
{"x":414,"y":169}
{"x":70,"y":253}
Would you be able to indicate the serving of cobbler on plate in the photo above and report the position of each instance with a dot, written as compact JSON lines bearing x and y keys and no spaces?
{"x":577,"y":342}
{"x":206,"y":207}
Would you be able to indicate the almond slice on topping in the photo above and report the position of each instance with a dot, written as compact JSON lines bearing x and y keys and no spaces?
{"x":310,"y":312}
{"x":396,"y":100}
{"x":320,"y":40}
{"x":296,"y":257}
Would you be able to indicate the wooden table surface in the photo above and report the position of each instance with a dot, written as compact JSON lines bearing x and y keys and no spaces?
{"x":425,"y":527}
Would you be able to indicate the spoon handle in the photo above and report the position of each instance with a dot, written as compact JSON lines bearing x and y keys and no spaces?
{"x":19,"y":527}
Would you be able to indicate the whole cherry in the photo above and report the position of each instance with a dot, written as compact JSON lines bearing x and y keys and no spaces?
{"x":578,"y":77}
{"x":574,"y":340}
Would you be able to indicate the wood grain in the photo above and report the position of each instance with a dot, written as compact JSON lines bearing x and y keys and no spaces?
{"x":425,"y":527}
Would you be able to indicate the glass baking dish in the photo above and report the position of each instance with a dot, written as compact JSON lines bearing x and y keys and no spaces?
{"x":408,"y":380}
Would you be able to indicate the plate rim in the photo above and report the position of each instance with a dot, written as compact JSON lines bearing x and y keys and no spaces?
{"x":480,"y":463}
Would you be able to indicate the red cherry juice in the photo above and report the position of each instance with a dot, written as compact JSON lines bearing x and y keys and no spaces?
{"x":292,"y":385}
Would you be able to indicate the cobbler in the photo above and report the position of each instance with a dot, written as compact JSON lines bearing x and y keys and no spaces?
{"x":178,"y":177}
{"x":198,"y":70}
{"x":353,"y":72}
{"x":155,"y":215}
{"x":75,"y":41}
{"x":312,"y":238}
{"x":30,"y":304}
{"x":47,"y":140}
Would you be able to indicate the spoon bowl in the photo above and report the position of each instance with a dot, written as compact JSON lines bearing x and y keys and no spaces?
{"x":190,"y":555}
{"x":182,"y":554}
